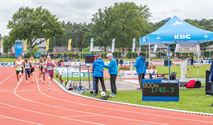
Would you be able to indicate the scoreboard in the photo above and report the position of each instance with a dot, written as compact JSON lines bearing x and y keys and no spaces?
{"x":90,"y":58}
{"x":160,"y":90}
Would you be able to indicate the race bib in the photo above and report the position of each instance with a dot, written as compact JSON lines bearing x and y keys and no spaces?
{"x":27,"y":66}
{"x":49,"y":68}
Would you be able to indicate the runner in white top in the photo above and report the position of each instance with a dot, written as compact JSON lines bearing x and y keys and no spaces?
{"x":19,"y":69}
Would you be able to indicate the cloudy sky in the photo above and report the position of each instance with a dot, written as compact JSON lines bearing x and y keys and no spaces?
{"x":82,"y":10}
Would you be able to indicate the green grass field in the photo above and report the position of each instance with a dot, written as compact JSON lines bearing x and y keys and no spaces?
{"x":191,"y":72}
{"x":165,"y":70}
{"x":7,"y":59}
{"x":190,"y":100}
{"x":77,"y":78}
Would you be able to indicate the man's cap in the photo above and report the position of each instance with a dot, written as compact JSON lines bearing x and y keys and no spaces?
{"x":109,"y":55}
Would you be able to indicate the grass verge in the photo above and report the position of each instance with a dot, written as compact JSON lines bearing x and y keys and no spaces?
{"x":190,"y":100}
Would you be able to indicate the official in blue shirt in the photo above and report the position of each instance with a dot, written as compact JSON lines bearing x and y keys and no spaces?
{"x":98,"y":67}
{"x":113,"y":71}
{"x":211,"y":75}
{"x":140,"y":65}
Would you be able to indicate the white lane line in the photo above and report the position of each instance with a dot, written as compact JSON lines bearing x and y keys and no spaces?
{"x":6,"y":90}
{"x":2,"y":117}
{"x":47,"y":114}
{"x":140,"y":113}
{"x":92,"y":113}
{"x":80,"y":116}
{"x":6,"y":79}
{"x":20,"y":120}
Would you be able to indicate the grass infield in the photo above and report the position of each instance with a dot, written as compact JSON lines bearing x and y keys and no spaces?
{"x":190,"y":100}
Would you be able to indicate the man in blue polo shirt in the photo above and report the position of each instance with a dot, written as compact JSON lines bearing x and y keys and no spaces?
{"x":140,"y":65}
{"x":98,"y":73}
{"x":113,"y":71}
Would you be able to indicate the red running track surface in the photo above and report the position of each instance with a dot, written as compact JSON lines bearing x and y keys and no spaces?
{"x":32,"y":103}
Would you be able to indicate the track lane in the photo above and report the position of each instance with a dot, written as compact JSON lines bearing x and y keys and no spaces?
{"x":72,"y":109}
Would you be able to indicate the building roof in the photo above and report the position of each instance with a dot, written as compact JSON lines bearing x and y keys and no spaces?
{"x":161,"y":46}
{"x":209,"y":47}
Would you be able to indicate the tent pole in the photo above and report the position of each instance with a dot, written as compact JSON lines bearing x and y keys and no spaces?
{"x":149,"y":52}
{"x":169,"y":60}
{"x":198,"y":54}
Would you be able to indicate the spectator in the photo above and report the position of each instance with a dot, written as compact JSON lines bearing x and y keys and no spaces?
{"x":121,"y":62}
{"x":192,"y":62}
{"x":116,"y":61}
{"x":152,"y":71}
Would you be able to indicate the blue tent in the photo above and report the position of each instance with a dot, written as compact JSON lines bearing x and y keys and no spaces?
{"x":177,"y":31}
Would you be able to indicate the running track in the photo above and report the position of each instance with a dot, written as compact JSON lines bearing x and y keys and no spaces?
{"x":32,"y":103}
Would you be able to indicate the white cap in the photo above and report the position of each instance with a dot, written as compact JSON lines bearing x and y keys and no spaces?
{"x":109,"y":55}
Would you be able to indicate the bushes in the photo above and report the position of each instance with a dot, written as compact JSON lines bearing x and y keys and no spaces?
{"x":207,"y":54}
{"x":131,"y":54}
{"x":125,"y":67}
{"x":11,"y":55}
{"x":161,"y":54}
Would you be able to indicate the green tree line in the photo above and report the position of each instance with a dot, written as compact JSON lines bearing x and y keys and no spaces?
{"x":122,"y":21}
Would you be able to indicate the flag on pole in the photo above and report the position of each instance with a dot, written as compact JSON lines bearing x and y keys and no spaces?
{"x":198,"y":49}
{"x":113,"y":45}
{"x":177,"y":48}
{"x":91,"y":44}
{"x":47,"y":44}
{"x":133,"y":45}
{"x":1,"y":46}
{"x":139,"y":48}
{"x":155,"y":48}
{"x":25,"y":45}
{"x":69,"y":45}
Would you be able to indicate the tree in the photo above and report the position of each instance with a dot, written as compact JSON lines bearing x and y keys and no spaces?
{"x":206,"y":24}
{"x":29,"y":23}
{"x":7,"y":44}
{"x":79,"y":33}
{"x":123,"y":21}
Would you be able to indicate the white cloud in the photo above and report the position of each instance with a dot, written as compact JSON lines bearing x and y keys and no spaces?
{"x":82,"y":10}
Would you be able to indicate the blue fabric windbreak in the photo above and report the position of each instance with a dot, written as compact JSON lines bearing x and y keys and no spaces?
{"x":18,"y":48}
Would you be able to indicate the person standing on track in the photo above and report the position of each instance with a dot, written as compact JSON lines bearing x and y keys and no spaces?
{"x":113,"y":71}
{"x":140,"y":65}
{"x":27,"y":67}
{"x":98,"y":67}
{"x":50,"y":70}
{"x":19,"y":69}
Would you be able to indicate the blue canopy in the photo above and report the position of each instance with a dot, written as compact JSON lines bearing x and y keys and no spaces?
{"x":177,"y":31}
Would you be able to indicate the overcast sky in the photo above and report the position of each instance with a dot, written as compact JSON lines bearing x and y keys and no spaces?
{"x":82,"y":10}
